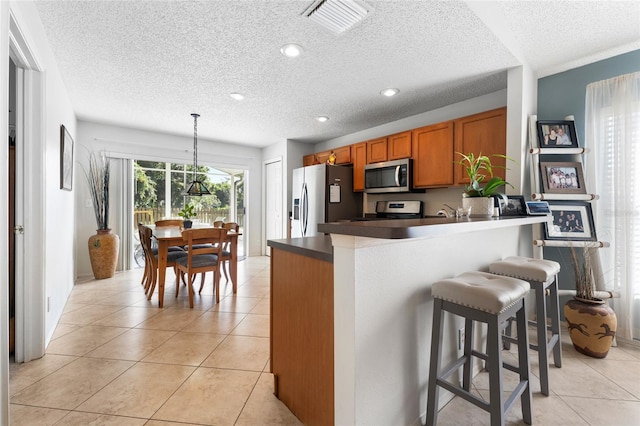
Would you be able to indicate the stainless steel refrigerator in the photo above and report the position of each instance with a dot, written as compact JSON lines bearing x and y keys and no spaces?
{"x":322,"y":193}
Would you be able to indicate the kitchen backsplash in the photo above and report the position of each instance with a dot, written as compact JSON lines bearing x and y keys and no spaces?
{"x":433,"y":199}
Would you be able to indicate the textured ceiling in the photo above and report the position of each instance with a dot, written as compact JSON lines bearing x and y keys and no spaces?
{"x":149,"y":64}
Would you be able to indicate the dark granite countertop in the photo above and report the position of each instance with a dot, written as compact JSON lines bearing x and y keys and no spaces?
{"x":426,"y":227}
{"x":316,"y":247}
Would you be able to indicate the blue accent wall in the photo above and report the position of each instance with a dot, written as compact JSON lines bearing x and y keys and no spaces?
{"x":563,"y":94}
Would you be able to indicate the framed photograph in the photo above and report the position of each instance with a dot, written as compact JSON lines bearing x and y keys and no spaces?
{"x":557,"y":134}
{"x":538,"y":208}
{"x":562,"y":178}
{"x":514,"y":206}
{"x":66,"y":159}
{"x":572,"y":221}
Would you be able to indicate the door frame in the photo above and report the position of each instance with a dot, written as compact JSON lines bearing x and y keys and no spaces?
{"x":265,"y":248}
{"x":30,"y":197}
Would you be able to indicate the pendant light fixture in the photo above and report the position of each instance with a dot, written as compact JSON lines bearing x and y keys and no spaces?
{"x":197,"y":188}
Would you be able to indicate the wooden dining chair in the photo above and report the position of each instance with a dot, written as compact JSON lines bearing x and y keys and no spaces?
{"x":168,"y":223}
{"x":201,"y":260}
{"x":218,"y":224}
{"x":146,"y":276}
{"x":226,"y":248}
{"x":151,"y":259}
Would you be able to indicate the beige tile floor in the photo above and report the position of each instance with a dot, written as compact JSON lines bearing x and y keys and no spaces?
{"x":116,"y":359}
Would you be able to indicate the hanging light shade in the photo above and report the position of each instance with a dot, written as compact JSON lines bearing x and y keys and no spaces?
{"x":196,"y":188}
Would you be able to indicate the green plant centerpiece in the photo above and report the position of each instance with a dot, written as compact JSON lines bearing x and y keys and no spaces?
{"x":591,"y":322}
{"x":104,"y":245}
{"x":187,"y":212}
{"x":478,"y":194}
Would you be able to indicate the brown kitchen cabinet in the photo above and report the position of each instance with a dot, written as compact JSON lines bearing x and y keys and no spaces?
{"x":399,"y":146}
{"x":343,"y":154}
{"x":322,"y":157}
{"x":484,"y":133}
{"x":433,"y":155}
{"x":377,"y":150}
{"x":309,"y":160}
{"x":359,"y":160}
{"x":302,"y":335}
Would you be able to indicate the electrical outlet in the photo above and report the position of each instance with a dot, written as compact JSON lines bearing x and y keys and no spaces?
{"x":461,"y":338}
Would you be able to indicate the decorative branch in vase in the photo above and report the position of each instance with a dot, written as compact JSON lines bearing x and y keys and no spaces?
{"x":104,"y":245}
{"x":591,"y":322}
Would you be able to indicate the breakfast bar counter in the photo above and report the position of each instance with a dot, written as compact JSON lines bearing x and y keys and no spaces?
{"x":379,"y":288}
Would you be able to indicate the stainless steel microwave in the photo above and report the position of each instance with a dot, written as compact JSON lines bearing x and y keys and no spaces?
{"x":388,"y":176}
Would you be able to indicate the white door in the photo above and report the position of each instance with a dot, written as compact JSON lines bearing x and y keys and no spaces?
{"x":273,"y":203}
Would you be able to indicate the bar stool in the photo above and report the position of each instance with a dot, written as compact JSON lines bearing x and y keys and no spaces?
{"x":491,"y":299}
{"x":541,"y":275}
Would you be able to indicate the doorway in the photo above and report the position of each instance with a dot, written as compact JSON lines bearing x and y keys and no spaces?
{"x":273,"y":203}
{"x":12,"y":212}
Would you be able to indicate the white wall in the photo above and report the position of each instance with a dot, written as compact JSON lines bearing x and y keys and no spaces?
{"x":59,"y":216}
{"x":130,"y":143}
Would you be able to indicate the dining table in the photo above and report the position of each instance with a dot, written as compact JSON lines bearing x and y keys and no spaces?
{"x":172,"y":236}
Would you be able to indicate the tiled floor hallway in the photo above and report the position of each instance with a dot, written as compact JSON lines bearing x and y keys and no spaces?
{"x":116,"y":359}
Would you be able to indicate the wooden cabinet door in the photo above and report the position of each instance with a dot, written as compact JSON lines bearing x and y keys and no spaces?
{"x":377,"y":150}
{"x":484,"y":133}
{"x":399,"y":146}
{"x":343,"y":155}
{"x":309,"y":160}
{"x":322,"y":157}
{"x":433,"y":155}
{"x":359,"y":159}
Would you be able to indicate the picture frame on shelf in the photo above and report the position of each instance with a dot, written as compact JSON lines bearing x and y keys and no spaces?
{"x":515,"y":206}
{"x":562,"y":177}
{"x":557,"y":134}
{"x":571,"y":221}
{"x":66,"y":159}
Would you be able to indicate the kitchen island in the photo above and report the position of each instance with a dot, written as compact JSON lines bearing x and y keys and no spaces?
{"x":382,"y":273}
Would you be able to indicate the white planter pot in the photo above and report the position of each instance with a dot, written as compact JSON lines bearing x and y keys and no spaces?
{"x":480,"y":206}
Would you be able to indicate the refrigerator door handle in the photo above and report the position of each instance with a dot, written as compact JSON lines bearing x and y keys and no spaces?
{"x":305,"y":209}
{"x":397,"y":175}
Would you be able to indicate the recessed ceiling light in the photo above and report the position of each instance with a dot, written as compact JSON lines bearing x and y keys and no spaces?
{"x":389,"y":92}
{"x":237,"y":96}
{"x":291,"y":50}
{"x":322,"y":118}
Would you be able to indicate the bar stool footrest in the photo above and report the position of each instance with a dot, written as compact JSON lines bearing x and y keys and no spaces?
{"x":467,"y":396}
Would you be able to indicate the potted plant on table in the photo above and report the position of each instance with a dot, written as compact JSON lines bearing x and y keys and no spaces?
{"x":186,"y":214}
{"x":591,"y":322}
{"x":477,"y":196}
{"x":104,"y":245}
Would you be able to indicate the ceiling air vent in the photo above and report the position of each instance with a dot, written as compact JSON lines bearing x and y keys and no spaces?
{"x":337,"y":15}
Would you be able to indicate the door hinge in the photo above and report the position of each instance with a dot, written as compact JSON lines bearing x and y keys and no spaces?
{"x":18,"y":229}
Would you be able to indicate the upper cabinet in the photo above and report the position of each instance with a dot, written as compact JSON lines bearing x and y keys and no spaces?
{"x":433,"y":149}
{"x":359,"y":159}
{"x":377,"y":150}
{"x":433,"y":155}
{"x":343,"y":156}
{"x":399,"y":146}
{"x":484,"y":133}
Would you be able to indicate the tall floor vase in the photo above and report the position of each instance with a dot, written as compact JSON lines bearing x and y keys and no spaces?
{"x":103,"y":252}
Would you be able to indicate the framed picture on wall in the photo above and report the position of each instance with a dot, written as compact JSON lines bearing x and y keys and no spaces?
{"x":66,"y":159}
{"x":562,"y":178}
{"x":557,"y":134}
{"x":572,"y":221}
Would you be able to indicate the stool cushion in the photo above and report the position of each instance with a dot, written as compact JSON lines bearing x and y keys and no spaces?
{"x":481,"y":290}
{"x":526,"y":268}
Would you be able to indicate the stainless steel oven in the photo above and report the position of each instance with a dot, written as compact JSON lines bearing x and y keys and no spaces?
{"x":388,"y":176}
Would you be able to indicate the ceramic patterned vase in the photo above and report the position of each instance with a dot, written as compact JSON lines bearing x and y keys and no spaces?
{"x":103,"y":253}
{"x":592,"y":326}
{"x":480,"y":206}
